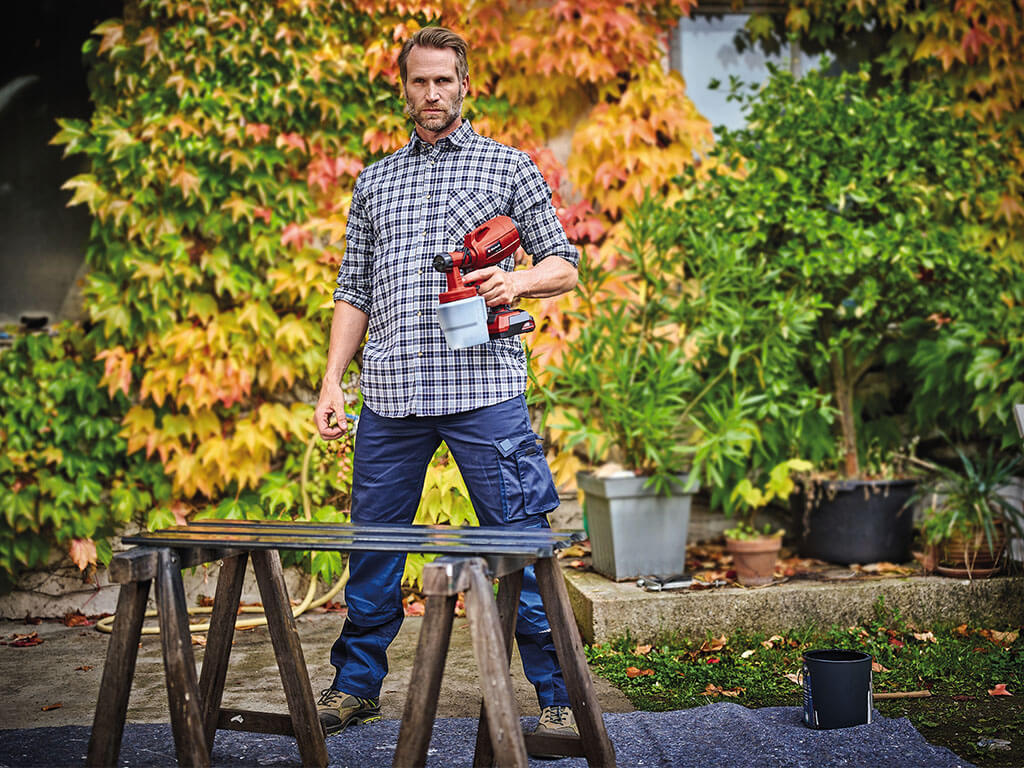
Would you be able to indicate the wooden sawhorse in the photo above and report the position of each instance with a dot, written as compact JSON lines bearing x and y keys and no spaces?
{"x":475,"y":555}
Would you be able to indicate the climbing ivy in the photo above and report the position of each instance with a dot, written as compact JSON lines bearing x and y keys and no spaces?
{"x":66,"y":480}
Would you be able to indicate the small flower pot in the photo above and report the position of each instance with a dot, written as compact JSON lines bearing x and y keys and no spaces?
{"x":970,"y":557}
{"x":754,"y":559}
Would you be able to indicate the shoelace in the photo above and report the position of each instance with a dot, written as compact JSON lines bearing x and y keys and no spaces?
{"x":327,"y":696}
{"x":556,"y":715}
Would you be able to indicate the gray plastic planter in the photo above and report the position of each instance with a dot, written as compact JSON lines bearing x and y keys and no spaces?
{"x":634,"y":531}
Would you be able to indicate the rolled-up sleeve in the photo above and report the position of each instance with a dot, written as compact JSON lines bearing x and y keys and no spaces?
{"x":540,"y":231}
{"x":354,"y":284}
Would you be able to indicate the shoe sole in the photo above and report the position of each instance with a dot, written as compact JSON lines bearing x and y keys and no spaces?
{"x":352,"y":720}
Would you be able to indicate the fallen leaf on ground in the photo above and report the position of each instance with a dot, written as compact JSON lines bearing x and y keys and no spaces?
{"x":883,"y":568}
{"x":83,"y":668}
{"x":26,"y":641}
{"x":876,"y":667}
{"x":896,"y":642}
{"x":332,"y":606}
{"x":635,"y":672}
{"x":199,"y":640}
{"x":714,"y":690}
{"x":999,"y":690}
{"x":747,"y":654}
{"x":1001,"y":638}
{"x":925,"y":637}
{"x":962,"y":630}
{"x":48,"y":707}
{"x":76,"y":619}
{"x":793,"y":678}
{"x":642,"y":650}
{"x":714,"y":644}
{"x":205,"y":601}
{"x":771,"y":641}
{"x":713,"y":660}
{"x":576,"y":550}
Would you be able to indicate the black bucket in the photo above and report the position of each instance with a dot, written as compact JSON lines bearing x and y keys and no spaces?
{"x":837,"y":688}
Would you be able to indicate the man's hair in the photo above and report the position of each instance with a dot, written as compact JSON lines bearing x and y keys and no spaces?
{"x":435,"y":37}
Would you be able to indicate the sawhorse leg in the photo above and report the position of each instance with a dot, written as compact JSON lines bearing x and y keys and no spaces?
{"x":179,"y":663}
{"x":118,"y":671}
{"x":442,"y":581}
{"x":597,"y":747}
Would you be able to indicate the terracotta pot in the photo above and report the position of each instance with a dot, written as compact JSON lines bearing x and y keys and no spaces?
{"x":970,"y":557}
{"x":754,"y":559}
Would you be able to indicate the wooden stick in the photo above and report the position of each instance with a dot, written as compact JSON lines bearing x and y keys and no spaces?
{"x":902,"y":695}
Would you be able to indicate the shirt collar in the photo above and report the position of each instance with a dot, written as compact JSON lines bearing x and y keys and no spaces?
{"x":459,"y":138}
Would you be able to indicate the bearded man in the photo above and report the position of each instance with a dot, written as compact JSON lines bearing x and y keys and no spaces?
{"x":407,"y":208}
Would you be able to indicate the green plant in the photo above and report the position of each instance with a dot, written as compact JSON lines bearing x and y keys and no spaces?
{"x":681,"y":352}
{"x":66,"y":482}
{"x":779,"y":485}
{"x":966,"y":499}
{"x":871,"y":199}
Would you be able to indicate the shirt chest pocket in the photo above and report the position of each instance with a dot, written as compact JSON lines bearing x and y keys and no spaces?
{"x":468,"y":209}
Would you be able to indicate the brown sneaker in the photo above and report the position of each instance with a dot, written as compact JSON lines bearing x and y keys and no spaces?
{"x":557,"y":721}
{"x":339,"y":710}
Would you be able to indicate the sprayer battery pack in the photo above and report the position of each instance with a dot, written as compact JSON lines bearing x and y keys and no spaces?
{"x":512,"y":322}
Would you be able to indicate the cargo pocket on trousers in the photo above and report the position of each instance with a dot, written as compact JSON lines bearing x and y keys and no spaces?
{"x":527,"y":487}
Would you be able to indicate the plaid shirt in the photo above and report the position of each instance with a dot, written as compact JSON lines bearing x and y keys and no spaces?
{"x":407,"y":208}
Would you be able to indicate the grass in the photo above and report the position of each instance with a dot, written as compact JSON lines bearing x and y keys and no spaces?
{"x":958,"y":665}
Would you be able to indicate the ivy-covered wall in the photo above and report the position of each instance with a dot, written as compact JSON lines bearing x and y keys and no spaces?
{"x":224,"y":144}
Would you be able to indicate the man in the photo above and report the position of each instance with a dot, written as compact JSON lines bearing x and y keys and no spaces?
{"x":414,"y":204}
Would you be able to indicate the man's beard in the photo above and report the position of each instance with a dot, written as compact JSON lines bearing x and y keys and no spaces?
{"x":435,"y":123}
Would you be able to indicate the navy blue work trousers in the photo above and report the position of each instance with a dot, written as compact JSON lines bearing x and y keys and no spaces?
{"x":509,"y":484}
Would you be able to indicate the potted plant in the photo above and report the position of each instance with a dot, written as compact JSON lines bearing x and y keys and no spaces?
{"x":755,"y":549}
{"x":864,"y":197}
{"x":967,"y":517}
{"x":665,"y":378}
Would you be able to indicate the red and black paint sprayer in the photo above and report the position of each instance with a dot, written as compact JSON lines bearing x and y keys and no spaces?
{"x":464,"y":315}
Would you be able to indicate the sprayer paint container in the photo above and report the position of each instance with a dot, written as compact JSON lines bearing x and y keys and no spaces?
{"x":464,"y":322}
{"x":837,"y":688}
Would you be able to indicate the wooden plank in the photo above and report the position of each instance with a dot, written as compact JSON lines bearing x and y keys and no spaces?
{"x":290,"y":661}
{"x":425,"y":683}
{"x":118,"y":671}
{"x":179,"y":664}
{"x":140,"y":564}
{"x":509,"y":588}
{"x":495,"y":682}
{"x":545,"y":744}
{"x":582,"y":695}
{"x":218,"y":641}
{"x":254,"y":722}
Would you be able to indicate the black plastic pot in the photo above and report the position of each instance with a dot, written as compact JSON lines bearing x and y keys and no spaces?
{"x":837,"y":688}
{"x":856,"y":521}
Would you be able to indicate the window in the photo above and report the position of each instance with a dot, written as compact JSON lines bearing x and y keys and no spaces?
{"x":703,"y":48}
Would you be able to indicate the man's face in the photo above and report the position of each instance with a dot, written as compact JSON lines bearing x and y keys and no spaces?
{"x":433,"y":91}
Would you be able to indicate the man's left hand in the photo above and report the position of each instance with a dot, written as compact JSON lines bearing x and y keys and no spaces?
{"x":497,"y":286}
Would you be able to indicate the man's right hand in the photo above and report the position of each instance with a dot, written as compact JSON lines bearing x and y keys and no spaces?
{"x":330,"y":412}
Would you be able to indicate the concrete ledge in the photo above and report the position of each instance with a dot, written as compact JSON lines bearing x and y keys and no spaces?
{"x":606,"y":610}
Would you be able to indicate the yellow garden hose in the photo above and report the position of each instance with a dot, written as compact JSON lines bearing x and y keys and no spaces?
{"x":107,"y":624}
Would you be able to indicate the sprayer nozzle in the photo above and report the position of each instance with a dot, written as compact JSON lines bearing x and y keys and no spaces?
{"x":443,"y":262}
